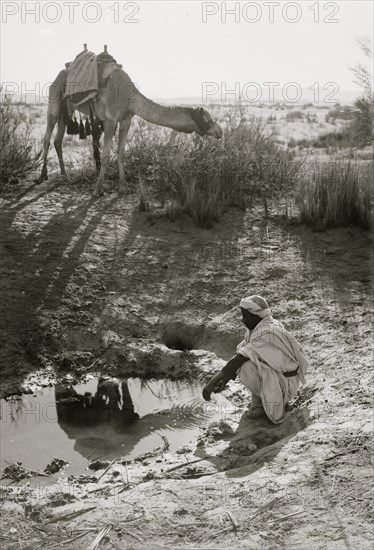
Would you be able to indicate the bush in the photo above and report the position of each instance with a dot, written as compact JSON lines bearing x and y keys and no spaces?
{"x":363,"y":115}
{"x":18,"y":151}
{"x":336,"y":195}
{"x":339,"y":113}
{"x":203,"y":177}
{"x":294,"y":115}
{"x":362,"y":123}
{"x":331,"y":141}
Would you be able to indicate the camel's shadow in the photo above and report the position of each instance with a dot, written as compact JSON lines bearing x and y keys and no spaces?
{"x":38,"y":261}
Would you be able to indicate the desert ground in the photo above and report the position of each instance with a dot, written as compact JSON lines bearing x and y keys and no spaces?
{"x":95,"y":287}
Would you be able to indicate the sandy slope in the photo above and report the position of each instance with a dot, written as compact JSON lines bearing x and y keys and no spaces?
{"x":86,"y":280}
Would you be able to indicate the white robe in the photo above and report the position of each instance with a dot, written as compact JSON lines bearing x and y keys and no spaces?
{"x":271,"y":351}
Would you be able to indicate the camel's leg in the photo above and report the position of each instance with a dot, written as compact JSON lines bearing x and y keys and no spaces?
{"x":58,"y":144}
{"x":51,"y":122}
{"x":124,"y":127}
{"x":109,"y":129}
{"x":96,"y":134}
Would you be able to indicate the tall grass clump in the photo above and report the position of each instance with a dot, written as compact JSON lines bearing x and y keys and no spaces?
{"x":203,"y":177}
{"x":19,"y":153}
{"x":337,"y":194}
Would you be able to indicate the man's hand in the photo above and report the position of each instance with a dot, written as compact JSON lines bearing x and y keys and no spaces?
{"x":220,"y":386}
{"x":206,"y":393}
{"x":219,"y":381}
{"x":216,"y":385}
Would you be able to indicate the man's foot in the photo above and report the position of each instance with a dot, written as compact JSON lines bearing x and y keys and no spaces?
{"x":255,"y":412}
{"x":256,"y":409}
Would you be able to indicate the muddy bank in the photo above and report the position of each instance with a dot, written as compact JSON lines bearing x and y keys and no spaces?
{"x":97,"y":288}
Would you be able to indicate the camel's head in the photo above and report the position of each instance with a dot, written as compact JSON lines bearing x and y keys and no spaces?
{"x":205,"y":125}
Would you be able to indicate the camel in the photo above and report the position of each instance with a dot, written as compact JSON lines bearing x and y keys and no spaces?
{"x":118,"y":101}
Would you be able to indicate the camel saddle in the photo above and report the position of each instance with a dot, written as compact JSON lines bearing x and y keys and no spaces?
{"x":87,"y":74}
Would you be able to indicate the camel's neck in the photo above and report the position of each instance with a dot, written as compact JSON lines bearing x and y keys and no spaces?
{"x":178,"y":118}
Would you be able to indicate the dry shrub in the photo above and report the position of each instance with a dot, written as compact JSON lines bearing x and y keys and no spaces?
{"x":336,"y":194}
{"x":294,"y":115}
{"x":19,"y":153}
{"x":203,"y":176}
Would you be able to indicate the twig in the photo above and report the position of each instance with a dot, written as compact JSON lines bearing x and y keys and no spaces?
{"x":198,"y":475}
{"x":124,"y":487}
{"x":101,"y":355}
{"x":115,"y":524}
{"x":184,"y":464}
{"x":222,"y":531}
{"x":266,"y":507}
{"x":166,"y":445}
{"x":46,"y":530}
{"x":342,"y":454}
{"x":39,"y":473}
{"x":105,"y":487}
{"x":103,"y":533}
{"x":94,"y":363}
{"x":106,"y":469}
{"x":71,"y":515}
{"x":68,"y":540}
{"x":266,"y":537}
{"x":86,"y":529}
{"x":189,"y":523}
{"x":283,"y":518}
{"x":233,"y":520}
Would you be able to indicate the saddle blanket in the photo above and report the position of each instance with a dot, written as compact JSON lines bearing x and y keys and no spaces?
{"x":83,"y":78}
{"x":82,"y":81}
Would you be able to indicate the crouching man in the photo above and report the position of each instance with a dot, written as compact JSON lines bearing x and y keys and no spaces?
{"x":269,"y":361}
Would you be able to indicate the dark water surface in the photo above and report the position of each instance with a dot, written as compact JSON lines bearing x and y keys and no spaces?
{"x":106,"y":419}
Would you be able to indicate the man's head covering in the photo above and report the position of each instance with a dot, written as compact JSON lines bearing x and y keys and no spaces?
{"x":256,"y":305}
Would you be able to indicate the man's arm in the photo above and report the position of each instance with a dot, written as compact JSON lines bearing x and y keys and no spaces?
{"x":219,"y":381}
{"x":230,"y":369}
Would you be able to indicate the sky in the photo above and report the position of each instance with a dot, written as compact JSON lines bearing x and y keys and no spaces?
{"x":192,"y":49}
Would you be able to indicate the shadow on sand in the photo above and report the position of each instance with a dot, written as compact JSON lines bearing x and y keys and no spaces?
{"x":37,"y":262}
{"x":261,"y":435}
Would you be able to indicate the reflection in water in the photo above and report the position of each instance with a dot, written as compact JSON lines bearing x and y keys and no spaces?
{"x":112,"y":404}
{"x":103,"y":418}
{"x":97,"y":421}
